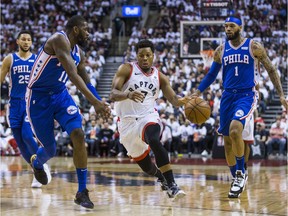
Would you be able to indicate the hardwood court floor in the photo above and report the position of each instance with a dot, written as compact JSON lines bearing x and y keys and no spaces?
{"x":119,"y":188}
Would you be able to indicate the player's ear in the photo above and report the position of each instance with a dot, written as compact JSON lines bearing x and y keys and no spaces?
{"x":76,"y":30}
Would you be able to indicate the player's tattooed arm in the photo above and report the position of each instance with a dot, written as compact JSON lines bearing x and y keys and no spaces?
{"x":218,"y":54}
{"x":260,"y":53}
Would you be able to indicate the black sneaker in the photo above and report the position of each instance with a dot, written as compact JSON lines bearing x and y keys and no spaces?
{"x":163,"y":184}
{"x":82,"y":198}
{"x":39,"y":174}
{"x":175,"y":192}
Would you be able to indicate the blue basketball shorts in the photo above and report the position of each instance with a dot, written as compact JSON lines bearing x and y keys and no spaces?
{"x":17,"y":113}
{"x":236,"y":106}
{"x":43,"y":108}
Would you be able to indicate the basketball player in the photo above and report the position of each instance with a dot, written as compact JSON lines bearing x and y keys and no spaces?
{"x":18,"y":65}
{"x":135,"y":88}
{"x":47,"y":99}
{"x":239,"y":59}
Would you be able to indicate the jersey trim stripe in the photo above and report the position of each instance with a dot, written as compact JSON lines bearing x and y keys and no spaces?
{"x":28,"y":100}
{"x":253,"y":106}
{"x":33,"y":80}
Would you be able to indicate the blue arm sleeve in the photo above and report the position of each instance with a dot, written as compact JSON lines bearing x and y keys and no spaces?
{"x":93,"y":90}
{"x":210,"y":77}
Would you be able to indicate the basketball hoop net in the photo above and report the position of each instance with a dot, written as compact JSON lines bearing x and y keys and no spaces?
{"x":207,"y":56}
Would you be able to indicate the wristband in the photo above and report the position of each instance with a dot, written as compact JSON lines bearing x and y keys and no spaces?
{"x":93,"y":91}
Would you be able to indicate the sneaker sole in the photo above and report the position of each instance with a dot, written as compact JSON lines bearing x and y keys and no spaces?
{"x":178,"y":196}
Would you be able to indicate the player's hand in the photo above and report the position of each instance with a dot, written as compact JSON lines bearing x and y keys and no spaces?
{"x":136,"y":96}
{"x":195,"y":94}
{"x":182,"y":101}
{"x":103,"y":110}
{"x":284,"y":102}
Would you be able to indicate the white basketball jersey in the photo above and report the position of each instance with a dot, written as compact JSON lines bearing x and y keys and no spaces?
{"x":147,"y":84}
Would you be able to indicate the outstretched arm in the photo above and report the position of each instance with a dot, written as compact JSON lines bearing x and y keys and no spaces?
{"x":59,"y":45}
{"x":170,"y":94}
{"x":213,"y":72}
{"x":260,"y":53}
{"x":83,"y":74}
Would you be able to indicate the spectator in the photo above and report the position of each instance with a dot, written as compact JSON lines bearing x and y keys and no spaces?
{"x":276,"y":139}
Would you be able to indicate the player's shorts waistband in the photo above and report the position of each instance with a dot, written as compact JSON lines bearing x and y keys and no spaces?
{"x":239,"y":90}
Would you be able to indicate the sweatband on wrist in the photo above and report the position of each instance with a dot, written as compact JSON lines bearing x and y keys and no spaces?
{"x":234,"y":20}
{"x":210,"y":77}
{"x":93,"y":90}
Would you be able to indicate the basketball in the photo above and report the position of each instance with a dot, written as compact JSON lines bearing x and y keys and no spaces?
{"x":197,"y":110}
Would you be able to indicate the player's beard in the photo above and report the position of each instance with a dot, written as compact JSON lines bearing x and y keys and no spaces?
{"x":234,"y":36}
{"x":82,"y":42}
{"x":24,"y":50}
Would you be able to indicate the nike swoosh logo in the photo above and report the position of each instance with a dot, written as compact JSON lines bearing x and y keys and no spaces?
{"x":17,"y":60}
{"x":138,"y":73}
{"x":228,"y":49}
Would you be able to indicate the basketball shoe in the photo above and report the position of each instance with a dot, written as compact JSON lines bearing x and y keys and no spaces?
{"x":82,"y":198}
{"x":175,"y":192}
{"x":37,"y":184}
{"x":43,"y":176}
{"x":238,"y":184}
{"x":163,"y":184}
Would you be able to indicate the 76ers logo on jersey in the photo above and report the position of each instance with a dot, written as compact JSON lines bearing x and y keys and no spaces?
{"x":239,"y":113}
{"x":72,"y":110}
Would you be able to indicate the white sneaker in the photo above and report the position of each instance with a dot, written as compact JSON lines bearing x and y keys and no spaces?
{"x":35,"y":183}
{"x":204,"y":153}
{"x":47,"y":171}
{"x":175,"y":192}
{"x":238,"y":185}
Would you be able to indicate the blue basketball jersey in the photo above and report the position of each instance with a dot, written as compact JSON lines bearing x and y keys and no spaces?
{"x":48,"y":75}
{"x":19,"y":75}
{"x":240,"y":68}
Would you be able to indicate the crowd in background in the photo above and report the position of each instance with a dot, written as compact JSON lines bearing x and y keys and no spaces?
{"x":265,"y":21}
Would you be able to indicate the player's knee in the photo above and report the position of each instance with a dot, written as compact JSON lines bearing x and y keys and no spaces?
{"x":152,"y":135}
{"x":235,"y":133}
{"x":77,"y":135}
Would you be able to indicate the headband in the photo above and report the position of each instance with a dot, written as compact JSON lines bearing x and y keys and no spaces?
{"x":234,"y":20}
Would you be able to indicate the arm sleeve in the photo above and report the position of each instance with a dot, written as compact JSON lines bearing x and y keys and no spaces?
{"x":210,"y":77}
{"x":93,"y":90}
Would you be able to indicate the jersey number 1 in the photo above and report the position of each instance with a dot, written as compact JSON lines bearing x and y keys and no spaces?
{"x":236,"y":71}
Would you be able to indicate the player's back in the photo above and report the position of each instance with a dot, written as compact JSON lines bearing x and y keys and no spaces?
{"x":19,"y":74}
{"x":48,"y":75}
{"x":147,"y":84}
{"x":240,"y":68}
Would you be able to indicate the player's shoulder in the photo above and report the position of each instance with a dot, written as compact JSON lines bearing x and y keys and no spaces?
{"x":8,"y":59}
{"x":125,"y":68}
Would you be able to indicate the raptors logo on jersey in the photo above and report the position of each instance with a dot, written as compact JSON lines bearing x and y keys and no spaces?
{"x":147,"y":84}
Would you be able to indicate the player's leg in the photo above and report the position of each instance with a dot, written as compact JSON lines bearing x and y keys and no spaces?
{"x":152,"y":137}
{"x":16,"y":113}
{"x":150,"y":168}
{"x":68,"y":116}
{"x":229,"y":155}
